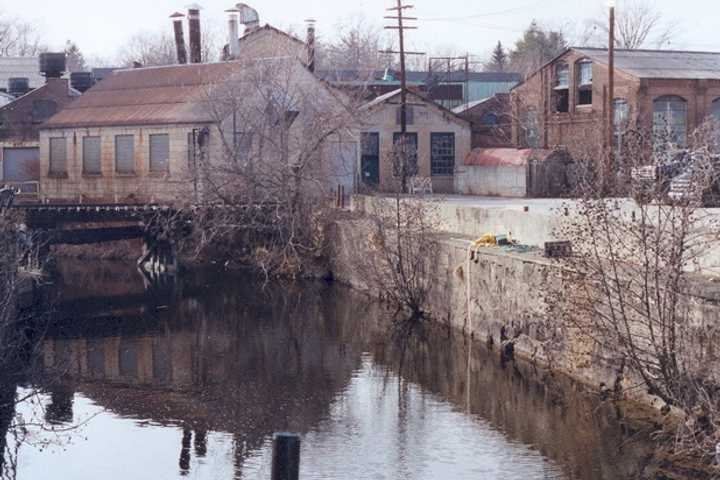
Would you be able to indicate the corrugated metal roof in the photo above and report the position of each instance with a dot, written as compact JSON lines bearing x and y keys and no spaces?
{"x":661,"y":63}
{"x":19,"y":67}
{"x":496,"y":157}
{"x":146,"y":96}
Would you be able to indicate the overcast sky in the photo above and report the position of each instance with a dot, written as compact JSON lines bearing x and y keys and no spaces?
{"x":99,"y":27}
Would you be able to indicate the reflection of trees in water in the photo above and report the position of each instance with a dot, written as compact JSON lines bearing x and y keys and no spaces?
{"x":563,"y":420}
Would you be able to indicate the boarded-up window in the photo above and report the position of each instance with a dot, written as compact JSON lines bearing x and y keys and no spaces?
{"x":442,"y":153}
{"x":125,"y":154}
{"x":58,"y":155}
{"x":91,"y":155}
{"x":159,"y":153}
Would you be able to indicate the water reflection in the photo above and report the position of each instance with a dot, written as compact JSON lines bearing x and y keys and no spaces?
{"x":191,"y":379}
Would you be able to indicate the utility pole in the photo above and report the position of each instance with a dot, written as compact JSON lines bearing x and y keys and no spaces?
{"x":401,"y":27}
{"x":611,"y":97}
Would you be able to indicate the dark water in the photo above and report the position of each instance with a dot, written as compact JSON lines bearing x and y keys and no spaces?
{"x":190,"y":379}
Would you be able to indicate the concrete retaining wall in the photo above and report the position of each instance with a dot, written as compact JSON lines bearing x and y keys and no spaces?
{"x":506,"y":301}
{"x":529,"y":228}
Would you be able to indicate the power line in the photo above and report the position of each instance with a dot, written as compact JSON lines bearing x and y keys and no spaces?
{"x":480,"y":15}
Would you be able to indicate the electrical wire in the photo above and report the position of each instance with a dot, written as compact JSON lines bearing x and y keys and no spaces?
{"x":481,"y":15}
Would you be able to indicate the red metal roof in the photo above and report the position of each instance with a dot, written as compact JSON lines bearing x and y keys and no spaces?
{"x":146,"y":96}
{"x":495,"y":157}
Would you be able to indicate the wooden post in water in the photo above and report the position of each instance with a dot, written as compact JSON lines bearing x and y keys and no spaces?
{"x":286,"y":456}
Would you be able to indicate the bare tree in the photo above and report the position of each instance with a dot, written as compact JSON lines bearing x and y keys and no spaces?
{"x":356,"y":46}
{"x":19,"y":38}
{"x":639,"y":24}
{"x":75,"y":60}
{"x":627,"y":295}
{"x":283,"y":136}
{"x":158,"y":48}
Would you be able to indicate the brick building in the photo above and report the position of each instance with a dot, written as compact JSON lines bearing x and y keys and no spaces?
{"x":564,"y":103}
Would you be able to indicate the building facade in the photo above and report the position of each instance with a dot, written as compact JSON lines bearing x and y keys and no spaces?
{"x":441,"y":140}
{"x":565,"y":104}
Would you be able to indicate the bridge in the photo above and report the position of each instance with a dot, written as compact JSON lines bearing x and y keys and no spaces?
{"x":82,"y":224}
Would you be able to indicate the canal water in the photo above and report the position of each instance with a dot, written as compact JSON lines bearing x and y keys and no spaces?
{"x":189,"y":378}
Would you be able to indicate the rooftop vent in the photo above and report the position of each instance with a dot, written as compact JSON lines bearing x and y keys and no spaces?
{"x":52,"y":65}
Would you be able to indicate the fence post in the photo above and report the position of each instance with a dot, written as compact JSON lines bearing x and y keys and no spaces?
{"x":286,"y":456}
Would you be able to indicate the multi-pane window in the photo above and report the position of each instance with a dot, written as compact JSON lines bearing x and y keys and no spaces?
{"x":584,"y":82}
{"x":621,"y":117}
{"x":561,"y":91}
{"x":370,"y":157}
{"x":91,"y":155}
{"x":406,"y":154}
{"x":669,"y":121}
{"x":715,"y":109}
{"x":159,"y":152}
{"x":58,"y":155}
{"x":125,"y":154}
{"x":409,"y":115}
{"x":442,"y":153}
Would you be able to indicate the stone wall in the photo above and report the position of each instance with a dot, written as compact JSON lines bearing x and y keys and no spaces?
{"x":505,"y":293}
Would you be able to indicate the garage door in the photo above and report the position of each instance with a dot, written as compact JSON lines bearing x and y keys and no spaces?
{"x":21,"y":165}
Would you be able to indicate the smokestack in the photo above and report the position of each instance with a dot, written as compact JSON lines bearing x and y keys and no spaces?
{"x":233,"y":34}
{"x":177,"y":18}
{"x":195,"y":39}
{"x":310,"y":44}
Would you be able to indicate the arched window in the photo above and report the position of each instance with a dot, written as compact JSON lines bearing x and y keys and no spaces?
{"x":670,"y":121}
{"x":584,"y":82}
{"x":561,"y":88}
{"x":489,"y":119}
{"x":715,"y":109}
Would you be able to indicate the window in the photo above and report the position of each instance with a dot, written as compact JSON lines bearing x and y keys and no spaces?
{"x":531,"y":127}
{"x":405,"y":158}
{"x":42,"y":110}
{"x":669,"y":121}
{"x":125,"y":154}
{"x":584,"y":82}
{"x":561,"y":90}
{"x":620,"y":123}
{"x":370,"y":158}
{"x":243,"y":146}
{"x":442,"y":153}
{"x":715,"y":109}
{"x":489,"y":119}
{"x":58,"y":155}
{"x":160,"y":153}
{"x":91,"y":156}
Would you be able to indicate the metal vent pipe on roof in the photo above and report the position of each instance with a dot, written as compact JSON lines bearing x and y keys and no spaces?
{"x":310,"y":44}
{"x":194,"y":33}
{"x":233,"y":33}
{"x":180,"y":49}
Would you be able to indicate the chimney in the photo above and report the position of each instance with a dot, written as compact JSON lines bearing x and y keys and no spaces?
{"x":195,"y":39}
{"x":177,"y":18}
{"x":233,"y":34}
{"x":310,"y":44}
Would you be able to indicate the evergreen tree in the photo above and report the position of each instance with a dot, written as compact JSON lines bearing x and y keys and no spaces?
{"x":498,"y":60}
{"x":75,"y":61}
{"x":536,"y":47}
